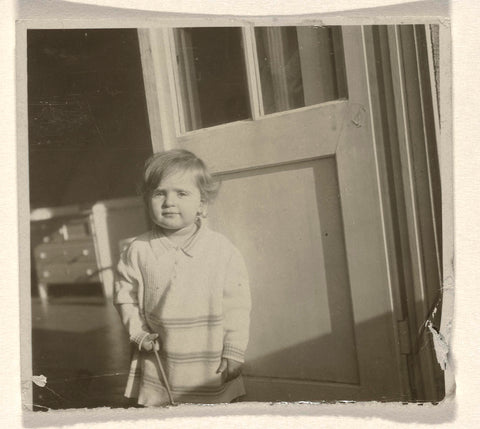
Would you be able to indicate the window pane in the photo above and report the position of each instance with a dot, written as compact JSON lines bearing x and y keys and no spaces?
{"x":300,"y":66}
{"x":212,"y":76}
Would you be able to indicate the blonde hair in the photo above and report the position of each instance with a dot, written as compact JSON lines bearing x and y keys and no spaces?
{"x":161,"y":165}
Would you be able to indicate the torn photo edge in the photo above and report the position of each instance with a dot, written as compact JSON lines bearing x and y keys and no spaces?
{"x":441,"y":337}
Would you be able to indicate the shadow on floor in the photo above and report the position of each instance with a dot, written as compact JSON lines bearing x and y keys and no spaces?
{"x":79,"y":344}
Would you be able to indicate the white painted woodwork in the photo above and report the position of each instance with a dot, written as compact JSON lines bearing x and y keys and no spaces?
{"x":383,"y":110}
{"x":298,"y":322}
{"x":146,"y":44}
{"x":322,"y":318}
{"x":251,"y":63}
{"x":113,"y":221}
{"x":230,"y":147}
{"x":159,"y":85}
{"x":418,"y":197}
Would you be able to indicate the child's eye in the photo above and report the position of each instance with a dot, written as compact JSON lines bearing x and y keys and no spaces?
{"x":182,"y":193}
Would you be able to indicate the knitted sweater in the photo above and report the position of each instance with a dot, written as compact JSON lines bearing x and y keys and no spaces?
{"x":197,"y":299}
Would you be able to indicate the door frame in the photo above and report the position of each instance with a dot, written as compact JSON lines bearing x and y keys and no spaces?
{"x":407,"y":121}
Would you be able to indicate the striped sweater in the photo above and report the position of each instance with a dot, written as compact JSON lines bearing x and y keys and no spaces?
{"x":197,"y":299}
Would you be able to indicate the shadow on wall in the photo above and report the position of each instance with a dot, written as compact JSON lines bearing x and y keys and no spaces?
{"x":283,"y":375}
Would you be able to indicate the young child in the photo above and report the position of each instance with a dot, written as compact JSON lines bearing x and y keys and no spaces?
{"x":183,"y":289}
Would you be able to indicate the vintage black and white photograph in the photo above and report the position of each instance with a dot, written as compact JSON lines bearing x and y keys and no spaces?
{"x":234,"y":213}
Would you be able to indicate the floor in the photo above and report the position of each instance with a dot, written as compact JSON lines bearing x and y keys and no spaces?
{"x":79,"y":344}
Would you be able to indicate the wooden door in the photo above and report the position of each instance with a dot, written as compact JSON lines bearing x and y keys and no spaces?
{"x":300,"y":198}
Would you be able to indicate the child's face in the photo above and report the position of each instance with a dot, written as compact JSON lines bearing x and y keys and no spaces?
{"x":176,"y":201}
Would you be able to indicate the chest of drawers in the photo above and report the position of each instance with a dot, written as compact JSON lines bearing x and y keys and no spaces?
{"x":67,"y":262}
{"x":64,"y":252}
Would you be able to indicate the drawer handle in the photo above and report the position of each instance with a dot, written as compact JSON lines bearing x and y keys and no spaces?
{"x":43,"y":255}
{"x":89,"y":271}
{"x":46,"y":273}
{"x":85,"y":252}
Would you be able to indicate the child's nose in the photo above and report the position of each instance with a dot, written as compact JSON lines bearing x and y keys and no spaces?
{"x":169,"y":199}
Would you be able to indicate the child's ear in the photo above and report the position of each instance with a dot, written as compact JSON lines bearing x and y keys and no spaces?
{"x":203,"y":209}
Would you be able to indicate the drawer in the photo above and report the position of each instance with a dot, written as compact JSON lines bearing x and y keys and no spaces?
{"x":79,"y":251}
{"x":83,"y":272}
{"x":69,"y":252}
{"x":78,"y":272}
{"x":61,"y":228}
{"x":49,"y":253}
{"x":54,"y":273}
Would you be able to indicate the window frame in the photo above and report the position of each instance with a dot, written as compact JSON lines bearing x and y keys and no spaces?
{"x":254,"y":87}
{"x":176,"y":91}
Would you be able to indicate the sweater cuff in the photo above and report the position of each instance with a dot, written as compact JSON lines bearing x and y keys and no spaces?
{"x":138,"y":337}
{"x":234,"y":353}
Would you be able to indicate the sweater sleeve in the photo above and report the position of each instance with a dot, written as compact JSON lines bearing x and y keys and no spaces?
{"x":236,"y":309}
{"x":128,"y":286}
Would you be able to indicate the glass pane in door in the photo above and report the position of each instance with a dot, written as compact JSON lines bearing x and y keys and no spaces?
{"x":211,"y":78}
{"x":300,"y":66}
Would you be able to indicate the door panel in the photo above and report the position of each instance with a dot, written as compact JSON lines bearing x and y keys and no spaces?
{"x":279,"y":138}
{"x":306,"y":309}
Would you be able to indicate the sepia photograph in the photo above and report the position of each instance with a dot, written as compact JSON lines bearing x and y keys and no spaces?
{"x":234,"y":213}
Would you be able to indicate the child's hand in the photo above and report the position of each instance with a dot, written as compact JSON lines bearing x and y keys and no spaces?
{"x":232,"y":368}
{"x":148,"y":343}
